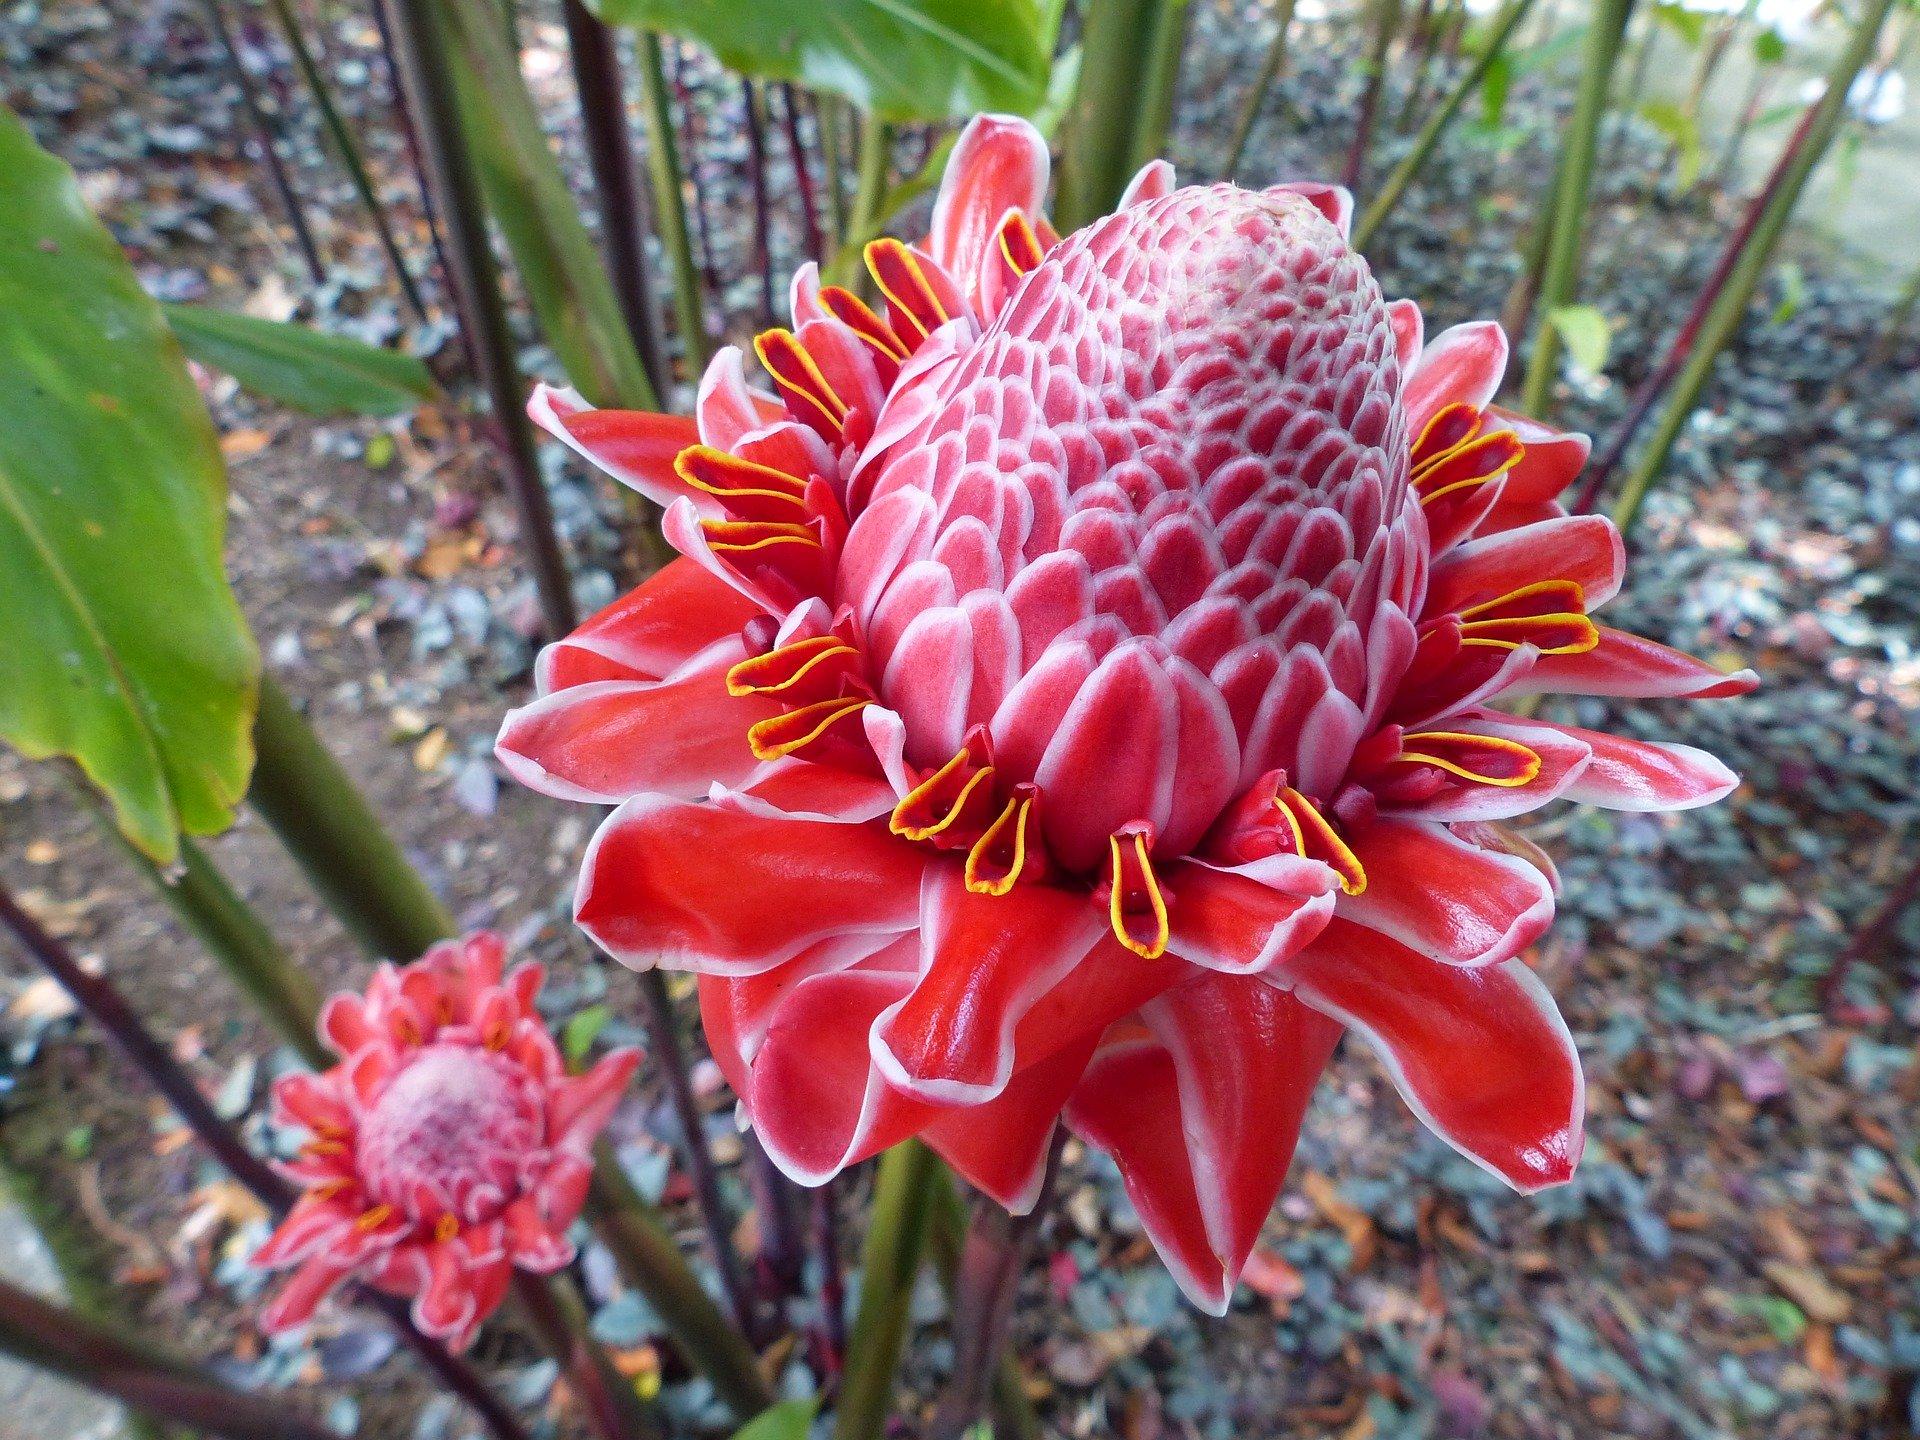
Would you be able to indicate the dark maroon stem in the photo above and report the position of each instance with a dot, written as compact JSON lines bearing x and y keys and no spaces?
{"x":757,"y":179}
{"x":396,"y":87}
{"x":1662,"y":375}
{"x":776,"y":1199}
{"x":666,"y":1053}
{"x":264,"y":137}
{"x":108,"y":1008}
{"x":987,"y":1280}
{"x":833,"y":1283}
{"x":103,"y":1359}
{"x":609,"y":136}
{"x":1386,"y":19}
{"x":802,"y":170}
{"x":1869,"y":939}
{"x":690,"y":156}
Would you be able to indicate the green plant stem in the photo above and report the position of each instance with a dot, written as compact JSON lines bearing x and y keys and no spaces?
{"x":1429,"y":137}
{"x":905,"y":1194}
{"x":650,"y":1262}
{"x":670,"y":207}
{"x":612,"y":1407}
{"x":1386,"y":26}
{"x":869,"y":198}
{"x":115,"y":1363}
{"x":337,"y":840}
{"x":235,"y":935}
{"x":830,"y":115}
{"x":1129,"y":61}
{"x":1723,"y":320}
{"x":421,"y":40}
{"x":1271,"y":64}
{"x":1573,"y":193}
{"x":349,"y":152}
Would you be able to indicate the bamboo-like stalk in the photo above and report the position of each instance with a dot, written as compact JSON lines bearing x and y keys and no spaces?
{"x":329,"y":829}
{"x":869,"y":199}
{"x":1429,"y":137}
{"x":1129,"y":62}
{"x":1421,"y":37}
{"x":1899,"y":315}
{"x":263,"y":135}
{"x":416,"y":162}
{"x":110,"y":1010}
{"x":1271,"y":64}
{"x":601,"y":91}
{"x":1662,"y":374}
{"x":690,"y":150}
{"x":1730,"y":307}
{"x":1386,"y":26}
{"x":347,"y":150}
{"x":757,"y":186}
{"x":612,"y":1407}
{"x":649,"y":1261}
{"x":421,"y":46}
{"x":1561,"y":278}
{"x":1516,"y":313}
{"x":802,"y":169}
{"x":670,"y":207}
{"x":830,"y":113}
{"x":113,"y":1362}
{"x":904,"y":1197}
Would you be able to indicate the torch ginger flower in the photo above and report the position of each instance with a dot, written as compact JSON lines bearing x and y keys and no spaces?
{"x":1074,"y":696}
{"x":447,"y":1147}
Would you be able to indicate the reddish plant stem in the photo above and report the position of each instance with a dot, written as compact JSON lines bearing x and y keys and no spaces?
{"x":108,"y":1008}
{"x":397,"y":89}
{"x":103,"y":1359}
{"x":802,"y":170}
{"x":832,"y":1346}
{"x":690,"y":155}
{"x":757,"y":181}
{"x":613,"y":1409}
{"x":666,"y":1051}
{"x":1871,"y":938}
{"x":776,"y":1200}
{"x":988,"y":1278}
{"x":264,"y":137}
{"x":603,"y":116}
{"x":1662,"y":375}
{"x":1386,"y":21}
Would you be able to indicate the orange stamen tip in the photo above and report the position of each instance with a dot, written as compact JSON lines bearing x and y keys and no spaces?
{"x":936,"y":804}
{"x":1315,"y":838}
{"x":1481,"y":759}
{"x":794,"y":370}
{"x":782,"y":669}
{"x":1019,"y":246}
{"x":1136,"y":908}
{"x":782,"y":735}
{"x":373,"y":1219}
{"x":898,"y":273}
{"x":995,"y":861}
{"x":445,"y":1228}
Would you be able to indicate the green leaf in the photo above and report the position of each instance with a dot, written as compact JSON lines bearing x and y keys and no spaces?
{"x":1781,"y":1316}
{"x":1683,"y":130}
{"x":581,"y":1031}
{"x":1689,"y":25}
{"x":1494,"y":86}
{"x":1793,"y":292}
{"x":789,"y":1420}
{"x":308,"y":369}
{"x":558,"y":265}
{"x":1586,"y":335}
{"x":899,"y":59}
{"x":120,"y":642}
{"x":1769,"y":47}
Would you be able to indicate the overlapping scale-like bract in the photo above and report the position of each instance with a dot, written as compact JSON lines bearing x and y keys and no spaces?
{"x":1076,"y":698}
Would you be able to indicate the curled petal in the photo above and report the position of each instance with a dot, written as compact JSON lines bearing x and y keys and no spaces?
{"x":1585,"y":549}
{"x":1151,"y":181}
{"x":1481,"y":1056}
{"x":1431,"y":794}
{"x":998,"y":164}
{"x":651,"y":891}
{"x":1333,"y":201}
{"x":635,"y":447}
{"x":1445,"y":899}
{"x":1628,"y":667}
{"x":302,"y":1294}
{"x":1001,"y":1147}
{"x":651,"y":630}
{"x":1463,"y":365}
{"x":1244,"y":919}
{"x":1641,"y":775}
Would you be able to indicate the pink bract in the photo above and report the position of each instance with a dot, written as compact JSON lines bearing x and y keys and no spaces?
{"x":1075,"y":696}
{"x":447,"y":1147}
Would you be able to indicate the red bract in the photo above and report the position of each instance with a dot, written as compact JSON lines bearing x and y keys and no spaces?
{"x":1075,"y":694}
{"x":448,"y":1146}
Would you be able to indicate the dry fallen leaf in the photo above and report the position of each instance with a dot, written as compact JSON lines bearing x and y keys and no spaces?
{"x":1810,"y":1290}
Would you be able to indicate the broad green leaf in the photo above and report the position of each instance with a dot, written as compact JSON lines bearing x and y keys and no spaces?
{"x":120,"y":643}
{"x":1769,"y":47}
{"x":899,"y":59}
{"x":1585,"y":332}
{"x":1494,"y":86}
{"x":297,"y":365}
{"x":582,"y":1029}
{"x":789,"y":1420}
{"x":554,"y":255}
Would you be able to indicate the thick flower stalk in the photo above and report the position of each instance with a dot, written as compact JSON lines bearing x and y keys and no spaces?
{"x":446,"y":1148}
{"x":1076,"y":696}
